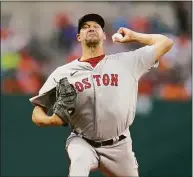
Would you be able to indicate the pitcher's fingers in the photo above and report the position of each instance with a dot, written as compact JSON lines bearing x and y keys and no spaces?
{"x":120,"y":30}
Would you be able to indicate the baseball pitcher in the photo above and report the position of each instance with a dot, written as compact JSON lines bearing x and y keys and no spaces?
{"x":96,"y":96}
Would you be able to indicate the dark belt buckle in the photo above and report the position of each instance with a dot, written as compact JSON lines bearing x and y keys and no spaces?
{"x":101,"y":143}
{"x":98,"y":144}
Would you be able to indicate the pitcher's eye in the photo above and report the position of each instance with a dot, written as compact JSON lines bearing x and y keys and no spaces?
{"x":97,"y":26}
{"x":85,"y":26}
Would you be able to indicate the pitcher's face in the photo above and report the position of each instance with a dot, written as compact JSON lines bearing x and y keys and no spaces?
{"x":91,"y":34}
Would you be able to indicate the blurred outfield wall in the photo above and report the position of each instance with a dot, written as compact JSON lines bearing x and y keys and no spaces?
{"x":162,"y":141}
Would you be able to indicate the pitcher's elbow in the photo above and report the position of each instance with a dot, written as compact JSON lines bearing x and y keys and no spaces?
{"x":168,"y":43}
{"x":35,"y":120}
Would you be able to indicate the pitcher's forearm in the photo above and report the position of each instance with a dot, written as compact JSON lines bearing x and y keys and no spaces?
{"x":148,"y":39}
{"x":40,"y":118}
{"x":162,"y":43}
{"x":55,"y":120}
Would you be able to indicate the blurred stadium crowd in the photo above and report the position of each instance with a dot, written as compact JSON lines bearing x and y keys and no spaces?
{"x":42,"y":36}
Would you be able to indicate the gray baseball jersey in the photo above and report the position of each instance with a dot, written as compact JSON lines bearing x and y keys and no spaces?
{"x":105,"y":108}
{"x":107,"y":93}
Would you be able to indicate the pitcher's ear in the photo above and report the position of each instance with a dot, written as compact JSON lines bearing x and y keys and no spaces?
{"x":105,"y":36}
{"x":78,"y":37}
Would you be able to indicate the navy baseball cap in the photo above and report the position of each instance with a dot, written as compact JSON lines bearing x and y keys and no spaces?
{"x":91,"y":17}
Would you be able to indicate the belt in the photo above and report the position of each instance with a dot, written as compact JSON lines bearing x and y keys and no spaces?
{"x":98,"y":144}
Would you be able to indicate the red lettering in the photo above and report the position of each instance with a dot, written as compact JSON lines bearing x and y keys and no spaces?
{"x":114,"y":79}
{"x":79,"y":86}
{"x":87,"y":84}
{"x":97,"y":78}
{"x":106,"y":79}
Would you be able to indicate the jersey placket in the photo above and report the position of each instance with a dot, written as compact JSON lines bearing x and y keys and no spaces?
{"x":89,"y":67}
{"x":96,"y":70}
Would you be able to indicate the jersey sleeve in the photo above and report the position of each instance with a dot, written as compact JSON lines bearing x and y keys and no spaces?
{"x":140,"y":61}
{"x":49,"y":84}
{"x":46,"y":95}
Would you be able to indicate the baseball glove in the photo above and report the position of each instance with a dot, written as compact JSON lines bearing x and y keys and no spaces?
{"x":65,"y":103}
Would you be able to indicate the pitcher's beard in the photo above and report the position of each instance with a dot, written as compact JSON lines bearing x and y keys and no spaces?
{"x":92,"y":43}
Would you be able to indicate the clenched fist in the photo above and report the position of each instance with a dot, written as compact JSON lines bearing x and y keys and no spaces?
{"x":128,"y":35}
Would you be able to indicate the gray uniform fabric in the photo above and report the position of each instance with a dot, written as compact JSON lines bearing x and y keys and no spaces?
{"x":105,"y":108}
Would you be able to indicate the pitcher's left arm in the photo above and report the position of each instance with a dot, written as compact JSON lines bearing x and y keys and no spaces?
{"x":40,"y":118}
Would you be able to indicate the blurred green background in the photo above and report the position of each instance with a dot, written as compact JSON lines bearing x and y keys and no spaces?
{"x":162,"y":141}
